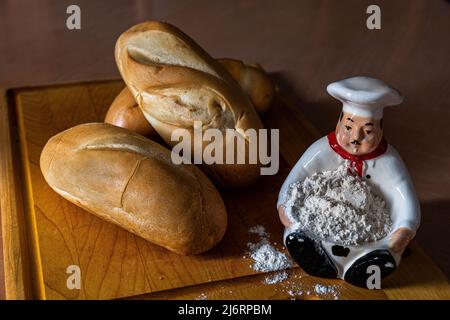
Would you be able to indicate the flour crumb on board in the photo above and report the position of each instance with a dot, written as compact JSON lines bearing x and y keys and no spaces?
{"x":277,"y":277}
{"x":259,"y":230}
{"x":329,"y":291}
{"x":297,"y":290}
{"x":202,"y":296}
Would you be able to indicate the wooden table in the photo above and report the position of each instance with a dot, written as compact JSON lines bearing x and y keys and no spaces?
{"x":306,"y":44}
{"x":43,"y":234}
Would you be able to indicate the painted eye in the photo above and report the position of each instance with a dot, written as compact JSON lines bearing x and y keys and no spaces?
{"x":348,"y":127}
{"x":368,"y":132}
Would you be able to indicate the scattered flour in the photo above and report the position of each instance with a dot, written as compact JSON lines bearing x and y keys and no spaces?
{"x":266,"y":257}
{"x":259,"y":230}
{"x":298,"y":290}
{"x":202,"y":296}
{"x":338,"y":207}
{"x":328,"y":291}
{"x":277,"y":277}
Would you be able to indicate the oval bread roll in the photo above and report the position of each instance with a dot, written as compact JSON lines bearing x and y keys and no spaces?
{"x":175,"y":82}
{"x":254,"y":81}
{"x":131,"y":181}
{"x":124,"y":112}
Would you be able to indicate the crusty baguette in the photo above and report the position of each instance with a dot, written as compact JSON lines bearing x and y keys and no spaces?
{"x":124,"y":111}
{"x":175,"y":82}
{"x":131,"y":181}
{"x":254,"y":81}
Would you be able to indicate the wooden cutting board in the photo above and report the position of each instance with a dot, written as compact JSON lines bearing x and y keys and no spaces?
{"x":43,"y":234}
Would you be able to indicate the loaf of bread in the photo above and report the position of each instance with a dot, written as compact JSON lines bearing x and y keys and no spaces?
{"x":131,"y":181}
{"x":254,"y":81}
{"x":124,"y":111}
{"x":175,"y":82}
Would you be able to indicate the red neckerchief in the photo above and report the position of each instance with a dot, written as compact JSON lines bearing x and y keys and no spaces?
{"x":356,"y":161}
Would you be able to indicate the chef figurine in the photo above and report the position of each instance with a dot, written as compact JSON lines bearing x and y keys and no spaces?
{"x":357,"y":140}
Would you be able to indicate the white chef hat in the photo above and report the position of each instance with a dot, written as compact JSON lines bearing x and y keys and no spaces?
{"x":364,"y":96}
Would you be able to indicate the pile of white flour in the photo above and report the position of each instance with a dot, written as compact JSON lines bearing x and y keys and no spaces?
{"x":266,"y":257}
{"x":338,"y":207}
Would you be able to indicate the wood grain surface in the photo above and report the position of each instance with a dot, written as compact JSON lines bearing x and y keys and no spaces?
{"x":116,"y":264}
{"x":14,"y":262}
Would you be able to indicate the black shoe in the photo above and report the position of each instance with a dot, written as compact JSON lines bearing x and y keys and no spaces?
{"x":357,"y":273}
{"x":310,"y":255}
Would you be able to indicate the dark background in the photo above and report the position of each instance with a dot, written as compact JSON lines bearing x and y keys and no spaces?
{"x":304,"y":44}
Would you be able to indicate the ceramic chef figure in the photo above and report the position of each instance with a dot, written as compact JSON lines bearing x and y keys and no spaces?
{"x":358,"y":141}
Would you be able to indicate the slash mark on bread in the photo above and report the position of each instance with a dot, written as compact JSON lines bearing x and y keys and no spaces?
{"x":135,"y":169}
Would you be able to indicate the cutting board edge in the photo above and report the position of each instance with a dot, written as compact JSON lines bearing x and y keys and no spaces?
{"x":11,"y":209}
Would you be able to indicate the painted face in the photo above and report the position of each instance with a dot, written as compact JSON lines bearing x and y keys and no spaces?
{"x":358,"y":135}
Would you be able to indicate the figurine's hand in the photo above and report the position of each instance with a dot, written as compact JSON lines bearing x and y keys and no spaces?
{"x":400,"y":239}
{"x":285,"y":220}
